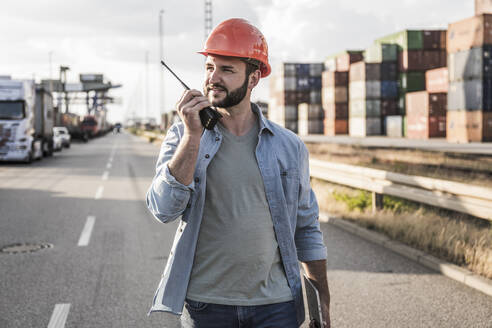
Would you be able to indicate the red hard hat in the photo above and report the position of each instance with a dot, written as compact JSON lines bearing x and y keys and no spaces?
{"x":237,"y":37}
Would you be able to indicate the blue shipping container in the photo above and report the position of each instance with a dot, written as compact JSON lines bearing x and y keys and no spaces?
{"x":389,"y":89}
{"x":302,"y":69}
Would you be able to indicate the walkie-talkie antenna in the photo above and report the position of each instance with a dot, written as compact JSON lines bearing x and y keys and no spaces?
{"x":208,"y":116}
{"x":170,"y":70}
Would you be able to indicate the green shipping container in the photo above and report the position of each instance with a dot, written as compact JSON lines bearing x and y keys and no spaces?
{"x":381,"y":52}
{"x":406,"y":39}
{"x":411,"y":81}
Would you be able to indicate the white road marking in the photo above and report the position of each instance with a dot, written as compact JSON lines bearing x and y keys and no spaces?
{"x":99,"y":192}
{"x":85,"y":236}
{"x":105,"y":175}
{"x":59,"y":316}
{"x":108,"y":166}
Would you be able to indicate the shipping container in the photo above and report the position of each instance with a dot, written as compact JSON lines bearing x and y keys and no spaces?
{"x":406,"y":40}
{"x":475,"y":63}
{"x":422,"y":103}
{"x":364,"y":108}
{"x":389,"y":71}
{"x":436,"y":80}
{"x":315,"y":96}
{"x":411,"y":81}
{"x":334,"y":95}
{"x":361,"y":127}
{"x":307,"y":127}
{"x":425,"y":127}
{"x":334,"y":79}
{"x":470,"y":95}
{"x":309,"y":112}
{"x":421,"y":60}
{"x":315,"y":69}
{"x":468,"y":126}
{"x":302,"y":70}
{"x":381,"y":52}
{"x":341,"y":62}
{"x":389,"y":107}
{"x":483,"y":7}
{"x":365,"y":90}
{"x":469,"y":33}
{"x":336,"y":111}
{"x":389,"y":89}
{"x":364,"y":72}
{"x":287,"y":70}
{"x":434,"y":40}
{"x":393,"y":126}
{"x":334,"y":127}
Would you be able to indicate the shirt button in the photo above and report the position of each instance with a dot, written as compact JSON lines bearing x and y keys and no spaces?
{"x":197,"y":179}
{"x":207,"y":155}
{"x":217,"y":139}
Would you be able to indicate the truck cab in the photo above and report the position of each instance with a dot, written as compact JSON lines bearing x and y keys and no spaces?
{"x":24,"y":134}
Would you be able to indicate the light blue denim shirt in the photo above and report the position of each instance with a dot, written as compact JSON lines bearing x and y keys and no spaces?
{"x":283,"y":160}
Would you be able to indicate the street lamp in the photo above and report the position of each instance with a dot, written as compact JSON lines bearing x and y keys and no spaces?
{"x":161,"y":57}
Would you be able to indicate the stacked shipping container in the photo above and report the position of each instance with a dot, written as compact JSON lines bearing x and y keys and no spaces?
{"x":469,"y":116}
{"x":364,"y":99}
{"x":386,"y":55}
{"x":418,"y":51}
{"x":291,"y":85}
{"x":335,"y":93}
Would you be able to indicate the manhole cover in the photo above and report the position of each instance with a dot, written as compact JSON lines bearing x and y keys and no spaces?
{"x":24,"y":248}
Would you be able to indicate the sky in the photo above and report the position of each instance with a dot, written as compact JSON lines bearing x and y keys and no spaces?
{"x":113,"y":37}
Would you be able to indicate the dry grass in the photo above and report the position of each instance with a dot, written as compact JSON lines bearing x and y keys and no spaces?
{"x":457,"y":238}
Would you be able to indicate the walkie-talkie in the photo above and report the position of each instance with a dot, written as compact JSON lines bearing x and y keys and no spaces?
{"x":208,"y":116}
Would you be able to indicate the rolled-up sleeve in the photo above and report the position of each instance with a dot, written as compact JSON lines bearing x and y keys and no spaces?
{"x":308,"y":236}
{"x":167,"y":198}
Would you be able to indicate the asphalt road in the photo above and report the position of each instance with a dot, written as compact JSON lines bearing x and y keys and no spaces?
{"x":99,"y":188}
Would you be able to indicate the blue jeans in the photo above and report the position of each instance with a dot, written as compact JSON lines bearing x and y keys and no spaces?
{"x":208,"y":315}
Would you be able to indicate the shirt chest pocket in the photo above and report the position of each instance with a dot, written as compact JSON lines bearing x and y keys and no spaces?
{"x":290,"y":184}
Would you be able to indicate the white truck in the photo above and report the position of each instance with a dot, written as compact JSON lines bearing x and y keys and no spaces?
{"x":26,"y":121}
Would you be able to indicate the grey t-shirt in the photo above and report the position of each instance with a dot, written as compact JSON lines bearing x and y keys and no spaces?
{"x":237,"y":259}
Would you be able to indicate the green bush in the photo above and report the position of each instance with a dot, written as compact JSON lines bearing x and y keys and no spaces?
{"x":361,"y":201}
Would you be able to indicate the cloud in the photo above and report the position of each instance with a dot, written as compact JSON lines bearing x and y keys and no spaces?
{"x":112,"y":36}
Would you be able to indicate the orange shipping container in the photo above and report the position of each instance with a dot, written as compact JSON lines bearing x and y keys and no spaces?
{"x":469,"y":126}
{"x":436,"y":80}
{"x":483,"y":7}
{"x":468,"y":33}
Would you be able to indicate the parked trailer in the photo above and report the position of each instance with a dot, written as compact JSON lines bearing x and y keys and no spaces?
{"x":24,"y":124}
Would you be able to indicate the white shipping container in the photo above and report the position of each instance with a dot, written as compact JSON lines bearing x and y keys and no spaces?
{"x":394,"y":126}
{"x":361,"y":127}
{"x":365,"y":90}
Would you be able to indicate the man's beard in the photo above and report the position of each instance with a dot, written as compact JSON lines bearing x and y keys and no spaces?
{"x":232,"y":98}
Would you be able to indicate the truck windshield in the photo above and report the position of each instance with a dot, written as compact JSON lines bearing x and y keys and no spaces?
{"x":11,"y":110}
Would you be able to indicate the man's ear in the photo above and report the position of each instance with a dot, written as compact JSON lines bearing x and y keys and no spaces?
{"x":254,"y":79}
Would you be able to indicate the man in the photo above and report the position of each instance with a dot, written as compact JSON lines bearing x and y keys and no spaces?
{"x":242,"y":192}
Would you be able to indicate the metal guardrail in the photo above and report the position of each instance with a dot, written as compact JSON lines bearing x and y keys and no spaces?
{"x":460,"y":197}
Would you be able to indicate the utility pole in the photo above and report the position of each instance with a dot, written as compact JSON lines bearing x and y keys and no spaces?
{"x":146,"y":84}
{"x":161,"y":57}
{"x":63,"y":80}
{"x":208,"y":18}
